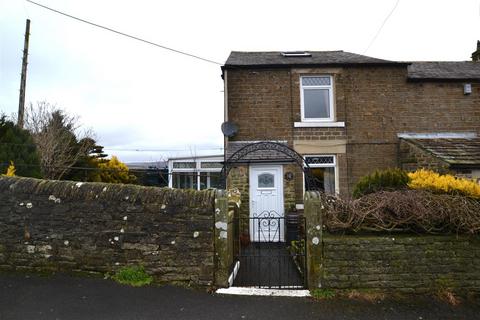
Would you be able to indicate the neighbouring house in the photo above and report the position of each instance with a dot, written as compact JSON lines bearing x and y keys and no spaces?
{"x":201,"y":172}
{"x":459,"y":155}
{"x":347,"y":115}
{"x":150,"y":173}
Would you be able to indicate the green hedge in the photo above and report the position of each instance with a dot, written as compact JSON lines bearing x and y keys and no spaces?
{"x":381,"y":180}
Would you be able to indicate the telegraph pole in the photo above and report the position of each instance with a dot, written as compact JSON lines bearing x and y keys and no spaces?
{"x":23,"y":79}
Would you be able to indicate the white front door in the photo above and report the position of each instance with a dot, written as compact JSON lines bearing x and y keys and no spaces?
{"x":267,"y":222}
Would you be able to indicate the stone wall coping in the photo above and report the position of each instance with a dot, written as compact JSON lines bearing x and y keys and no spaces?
{"x":94,"y":191}
{"x":394,"y":237}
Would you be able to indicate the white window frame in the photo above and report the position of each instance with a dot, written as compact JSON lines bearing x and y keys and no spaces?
{"x":206,"y":170}
{"x":323,"y":165}
{"x":194,"y":171}
{"x":330,"y":97}
{"x":173,"y":170}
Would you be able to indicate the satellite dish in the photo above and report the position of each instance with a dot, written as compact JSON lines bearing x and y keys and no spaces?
{"x":229,"y":129}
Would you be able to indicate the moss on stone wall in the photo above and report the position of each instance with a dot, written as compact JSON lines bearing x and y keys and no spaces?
{"x":401,"y":263}
{"x":105,"y":191}
{"x":99,"y":228}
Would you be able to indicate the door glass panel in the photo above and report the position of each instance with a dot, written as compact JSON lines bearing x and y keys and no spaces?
{"x":266,"y":180}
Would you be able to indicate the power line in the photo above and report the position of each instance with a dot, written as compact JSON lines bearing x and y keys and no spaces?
{"x":131,"y":150}
{"x":161,"y":170}
{"x":24,"y":165}
{"x":163,"y":150}
{"x":125,"y":34}
{"x":381,"y":27}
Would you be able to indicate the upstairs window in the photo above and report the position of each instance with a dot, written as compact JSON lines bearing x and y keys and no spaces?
{"x":316,"y":94}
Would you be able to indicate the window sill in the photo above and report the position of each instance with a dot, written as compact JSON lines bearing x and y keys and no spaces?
{"x":319,"y":124}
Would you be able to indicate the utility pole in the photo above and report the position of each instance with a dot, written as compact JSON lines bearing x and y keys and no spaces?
{"x":23,"y":79}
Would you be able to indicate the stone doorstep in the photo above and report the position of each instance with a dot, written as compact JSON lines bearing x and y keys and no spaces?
{"x":246,"y":291}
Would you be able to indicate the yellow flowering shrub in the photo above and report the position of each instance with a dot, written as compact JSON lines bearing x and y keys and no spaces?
{"x":10,"y":170}
{"x":115,"y":171}
{"x":427,"y":179}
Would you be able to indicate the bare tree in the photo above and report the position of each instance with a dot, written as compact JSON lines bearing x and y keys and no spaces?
{"x":59,"y":139}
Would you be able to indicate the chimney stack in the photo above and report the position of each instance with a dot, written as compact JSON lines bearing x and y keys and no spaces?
{"x":476,"y":54}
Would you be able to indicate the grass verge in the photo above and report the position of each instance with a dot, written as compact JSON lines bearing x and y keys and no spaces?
{"x":321,"y":294}
{"x":133,"y":276}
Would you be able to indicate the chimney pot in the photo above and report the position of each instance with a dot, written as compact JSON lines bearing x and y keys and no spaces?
{"x":476,"y":54}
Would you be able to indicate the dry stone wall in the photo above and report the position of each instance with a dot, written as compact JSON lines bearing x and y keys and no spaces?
{"x":402,"y":263}
{"x":413,"y":158}
{"x":98,"y":228}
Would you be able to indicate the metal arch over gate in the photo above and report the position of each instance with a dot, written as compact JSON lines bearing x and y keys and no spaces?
{"x":270,"y":248}
{"x":311,"y":182}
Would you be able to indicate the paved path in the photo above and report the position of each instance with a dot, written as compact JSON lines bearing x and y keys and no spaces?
{"x":267,"y":264}
{"x":63,"y":297}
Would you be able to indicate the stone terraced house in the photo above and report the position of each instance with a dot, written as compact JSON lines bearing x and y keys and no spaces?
{"x":347,"y":115}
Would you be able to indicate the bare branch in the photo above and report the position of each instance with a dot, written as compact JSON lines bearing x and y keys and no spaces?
{"x":407,"y":210}
{"x":58,"y":138}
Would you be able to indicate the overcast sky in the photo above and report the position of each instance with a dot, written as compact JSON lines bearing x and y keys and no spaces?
{"x":137,"y":96}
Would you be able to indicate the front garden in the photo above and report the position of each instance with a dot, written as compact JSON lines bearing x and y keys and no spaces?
{"x":396,"y":201}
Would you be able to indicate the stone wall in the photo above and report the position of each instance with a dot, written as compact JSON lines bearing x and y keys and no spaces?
{"x":412,"y":158}
{"x":98,"y":228}
{"x":226,"y":209}
{"x":395,"y":262}
{"x":401,"y":263}
{"x":238,"y":178}
{"x":259,"y":103}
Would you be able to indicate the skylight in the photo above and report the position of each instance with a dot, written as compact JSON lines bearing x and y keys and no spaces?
{"x":296,"y":54}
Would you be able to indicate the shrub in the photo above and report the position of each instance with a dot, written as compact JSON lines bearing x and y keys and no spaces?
{"x":381,"y":180}
{"x":11,"y":170}
{"x":322,"y":294}
{"x":419,"y":211}
{"x":429,"y":180}
{"x":17,"y":145}
{"x":133,"y":276}
{"x":115,"y":171}
{"x":365,"y":295}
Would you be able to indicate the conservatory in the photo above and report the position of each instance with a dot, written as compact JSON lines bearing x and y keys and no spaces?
{"x":198,"y":173}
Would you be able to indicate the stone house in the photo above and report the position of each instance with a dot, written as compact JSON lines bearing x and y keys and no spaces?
{"x":347,"y":115}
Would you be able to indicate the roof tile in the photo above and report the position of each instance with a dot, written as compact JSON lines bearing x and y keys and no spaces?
{"x":452,"y":151}
{"x":449,"y":70}
{"x":275,"y":58}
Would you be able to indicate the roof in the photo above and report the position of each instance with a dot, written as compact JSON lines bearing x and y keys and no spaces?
{"x":444,"y":70}
{"x":147,"y":165}
{"x":317,"y":58}
{"x":255,"y":156}
{"x":418,"y":70}
{"x":204,"y":157}
{"x":452,"y":151}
